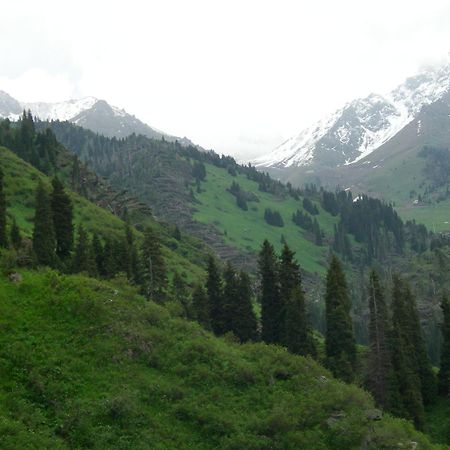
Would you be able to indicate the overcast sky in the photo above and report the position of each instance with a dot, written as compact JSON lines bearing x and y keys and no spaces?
{"x":237,"y":76}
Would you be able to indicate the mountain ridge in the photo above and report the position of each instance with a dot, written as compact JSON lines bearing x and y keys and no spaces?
{"x":89,"y":112}
{"x":361,"y":126}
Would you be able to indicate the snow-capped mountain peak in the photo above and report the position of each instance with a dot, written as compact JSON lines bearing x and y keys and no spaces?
{"x":361,"y":126}
{"x":66,"y":110}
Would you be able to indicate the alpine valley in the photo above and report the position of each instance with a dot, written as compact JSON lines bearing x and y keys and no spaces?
{"x":157,"y":295}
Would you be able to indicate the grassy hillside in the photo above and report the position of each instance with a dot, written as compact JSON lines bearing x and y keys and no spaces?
{"x":247,"y":229}
{"x":21,"y":180}
{"x":88,"y":364}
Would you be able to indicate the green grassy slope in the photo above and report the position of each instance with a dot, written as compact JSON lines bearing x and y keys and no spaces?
{"x":247,"y":229}
{"x":87,"y":364}
{"x":21,"y":180}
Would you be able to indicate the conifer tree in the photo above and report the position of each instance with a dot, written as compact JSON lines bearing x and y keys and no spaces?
{"x":237,"y":304}
{"x":444,"y":372}
{"x":339,"y":342}
{"x":215,"y":296}
{"x":289,"y":279}
{"x":98,"y":254}
{"x":110,"y":264}
{"x":245,"y":325}
{"x":180,"y":294}
{"x":272,"y":328}
{"x":230,"y":295}
{"x":83,"y":260}
{"x":421,"y":362}
{"x":62,"y":212}
{"x":16,"y":237}
{"x":201,"y":307}
{"x":406,"y":396}
{"x":298,"y":338}
{"x":154,"y":267}
{"x":44,"y":241}
{"x":3,"y":234}
{"x":379,"y":359}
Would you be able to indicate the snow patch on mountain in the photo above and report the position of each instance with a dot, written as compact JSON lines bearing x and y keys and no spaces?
{"x":62,"y":110}
{"x":361,"y":126}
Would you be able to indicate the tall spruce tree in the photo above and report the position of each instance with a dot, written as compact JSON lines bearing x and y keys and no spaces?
{"x":154,"y":266}
{"x":427,"y":377}
{"x":44,"y":241}
{"x":298,"y":337}
{"x":3,"y":233}
{"x":272,"y":328}
{"x":98,"y":254}
{"x":201,"y":307}
{"x":245,"y":324}
{"x":62,"y":212}
{"x":289,"y":279}
{"x":84,"y":259}
{"x":406,"y":395}
{"x":214,"y":289}
{"x":238,"y":311}
{"x":339,"y":341}
{"x":444,"y":371}
{"x":379,"y":360}
{"x":230,"y":295}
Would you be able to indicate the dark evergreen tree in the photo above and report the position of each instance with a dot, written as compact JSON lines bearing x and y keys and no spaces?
{"x":379,"y":358}
{"x":245,"y":325}
{"x":154,"y":267}
{"x":44,"y":241}
{"x":16,"y":237}
{"x":83,"y":260}
{"x":214,"y":289}
{"x":177,"y":233}
{"x":428,"y":382}
{"x":339,"y":341}
{"x":180,"y":294}
{"x":62,"y":212}
{"x":406,"y":396}
{"x":444,"y":371}
{"x":318,"y":238}
{"x":298,"y":337}
{"x":3,"y":233}
{"x":201,"y":307}
{"x":272,"y":329}
{"x":229,"y":297}
{"x":98,"y":254}
{"x":289,"y":279}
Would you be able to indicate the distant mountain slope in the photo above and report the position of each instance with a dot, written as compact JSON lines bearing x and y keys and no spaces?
{"x":360,"y":127}
{"x":90,"y":113}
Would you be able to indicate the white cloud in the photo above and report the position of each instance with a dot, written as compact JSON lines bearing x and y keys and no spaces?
{"x":237,"y":76}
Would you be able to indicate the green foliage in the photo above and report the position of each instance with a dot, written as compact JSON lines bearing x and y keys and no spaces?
{"x":201,"y":307}
{"x":444,"y":372}
{"x":273,"y":218}
{"x":44,"y":240}
{"x":214,"y":289}
{"x":155,"y":274}
{"x":3,"y":233}
{"x":272,"y":329}
{"x":62,"y":212}
{"x":339,"y":342}
{"x":116,"y":371}
{"x":378,"y":373}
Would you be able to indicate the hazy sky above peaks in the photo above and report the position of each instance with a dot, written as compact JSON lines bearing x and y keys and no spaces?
{"x":237,"y":76}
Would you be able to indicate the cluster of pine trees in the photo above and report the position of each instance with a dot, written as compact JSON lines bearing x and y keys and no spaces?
{"x":224,"y":304}
{"x":399,"y":373}
{"x":39,"y":149}
{"x":55,"y":244}
{"x":305,"y":221}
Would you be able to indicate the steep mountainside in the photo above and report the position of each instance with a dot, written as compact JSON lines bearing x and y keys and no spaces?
{"x":90,"y":112}
{"x":360,"y":127}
